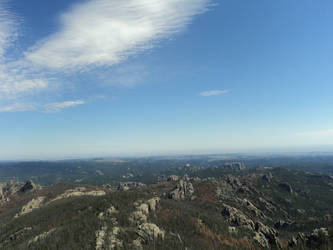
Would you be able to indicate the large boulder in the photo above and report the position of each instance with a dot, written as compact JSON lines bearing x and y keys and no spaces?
{"x":183,"y":190}
{"x":29,"y":186}
{"x":148,"y":231}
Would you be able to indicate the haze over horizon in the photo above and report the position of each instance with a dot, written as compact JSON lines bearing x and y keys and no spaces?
{"x":145,"y":77}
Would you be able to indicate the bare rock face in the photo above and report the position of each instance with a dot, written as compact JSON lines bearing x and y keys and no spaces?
{"x":152,"y":203}
{"x":309,"y":238}
{"x":265,"y":236}
{"x":148,"y":231}
{"x":270,"y":234}
{"x":29,"y":186}
{"x":77,"y":192}
{"x":269,"y":206}
{"x":261,"y":240}
{"x":183,"y":190}
{"x":9,"y":188}
{"x":237,"y":217}
{"x":254,"y":210}
{"x":140,"y":215}
{"x":31,"y":205}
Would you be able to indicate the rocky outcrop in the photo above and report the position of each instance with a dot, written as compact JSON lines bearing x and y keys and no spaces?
{"x":173,"y":178}
{"x":268,"y":205}
{"x":261,"y":240}
{"x":265,"y":236}
{"x":234,"y":165}
{"x":237,"y":218}
{"x":125,"y":186}
{"x":270,"y":234}
{"x":107,"y":238}
{"x":31,"y":205}
{"x":286,"y":187}
{"x":183,"y":190}
{"x":77,"y":192}
{"x":143,"y":209}
{"x":253,"y":209}
{"x":29,"y":186}
{"x":267,"y":177}
{"x":281,"y":224}
{"x":10,"y":188}
{"x":152,"y":203}
{"x":146,"y":230}
{"x":41,"y":236}
{"x":309,"y":239}
{"x":41,"y":200}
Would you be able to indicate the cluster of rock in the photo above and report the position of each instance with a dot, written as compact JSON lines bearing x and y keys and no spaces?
{"x":40,"y":201}
{"x":308,"y":239}
{"x":107,"y":238}
{"x":265,"y":236}
{"x":10,"y":188}
{"x":41,"y":236}
{"x":228,"y":188}
{"x":146,"y":230}
{"x":131,"y":185}
{"x":183,"y":190}
{"x":173,"y":178}
{"x":31,"y":205}
{"x":234,"y":165}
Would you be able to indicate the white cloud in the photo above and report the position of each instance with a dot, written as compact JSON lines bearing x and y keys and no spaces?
{"x":214,"y":92}
{"x":13,"y":83}
{"x":7,"y":29}
{"x":17,"y":107}
{"x":92,"y":34}
{"x":57,"y":106}
{"x":105,"y":32}
{"x":13,"y":80}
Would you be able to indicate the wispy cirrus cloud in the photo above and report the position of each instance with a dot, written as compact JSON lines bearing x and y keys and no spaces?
{"x":106,"y":32}
{"x":8,"y":29}
{"x":57,"y":106}
{"x":14,"y":79}
{"x":214,"y":92}
{"x":93,"y":34}
{"x":48,"y":108}
{"x":17,"y":107}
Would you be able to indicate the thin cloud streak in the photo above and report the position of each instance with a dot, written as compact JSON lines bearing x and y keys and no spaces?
{"x":214,"y":92}
{"x":17,"y":107}
{"x":57,"y":106}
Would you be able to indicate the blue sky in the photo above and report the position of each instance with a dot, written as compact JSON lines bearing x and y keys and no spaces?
{"x":140,"y":77}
